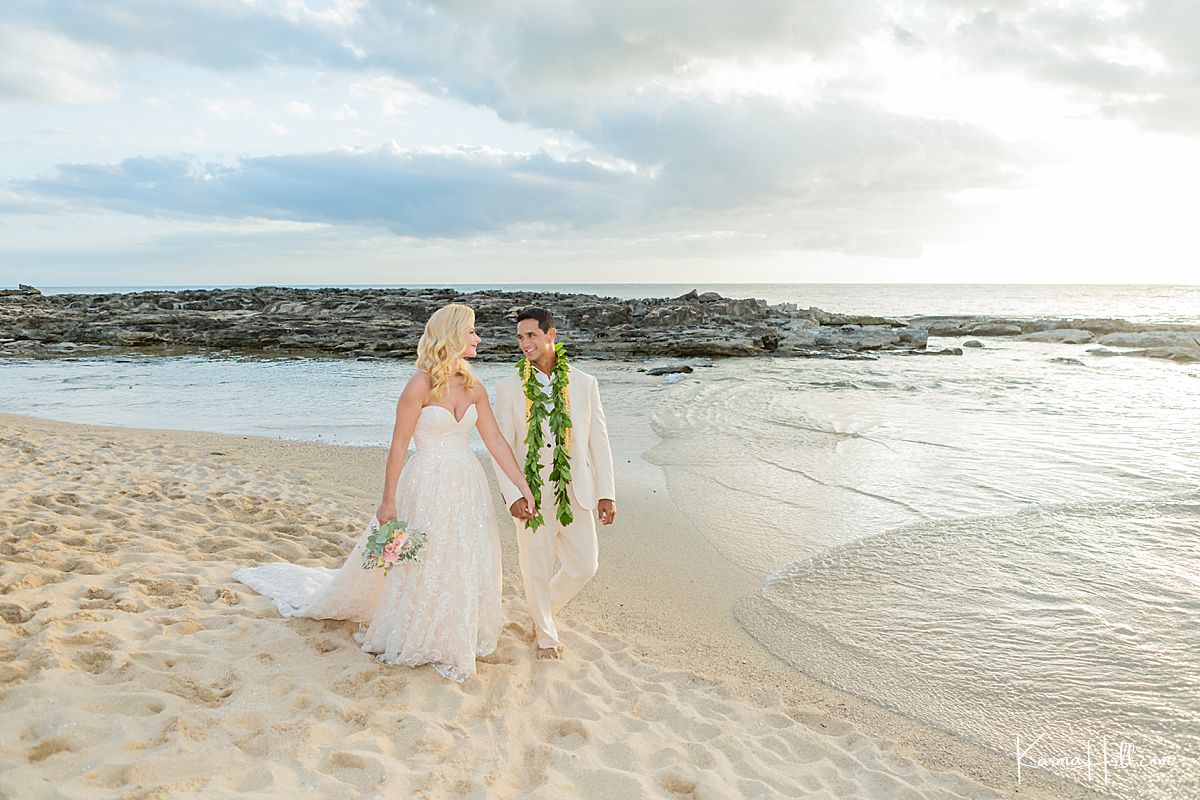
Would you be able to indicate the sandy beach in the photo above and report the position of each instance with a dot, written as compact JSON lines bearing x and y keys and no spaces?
{"x":134,"y":666}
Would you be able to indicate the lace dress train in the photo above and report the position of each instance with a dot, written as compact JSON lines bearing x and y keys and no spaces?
{"x":444,"y":610}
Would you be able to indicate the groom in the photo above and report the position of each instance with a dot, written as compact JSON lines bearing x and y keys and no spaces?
{"x":581,"y":483}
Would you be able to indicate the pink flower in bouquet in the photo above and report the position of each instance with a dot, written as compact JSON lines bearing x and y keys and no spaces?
{"x":398,"y":540}
{"x":389,"y":547}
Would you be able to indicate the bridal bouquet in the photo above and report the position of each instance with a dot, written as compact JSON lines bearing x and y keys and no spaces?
{"x":389,"y":543}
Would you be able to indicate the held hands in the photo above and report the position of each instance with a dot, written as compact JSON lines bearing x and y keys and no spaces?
{"x":606,"y":508}
{"x":524,"y":508}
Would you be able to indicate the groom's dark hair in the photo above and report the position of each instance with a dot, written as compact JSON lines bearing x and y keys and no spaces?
{"x":545,"y":319}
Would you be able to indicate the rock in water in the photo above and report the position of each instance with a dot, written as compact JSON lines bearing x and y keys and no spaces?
{"x":995,"y":329}
{"x":1065,"y":335}
{"x":386,"y":324}
{"x":681,"y":368}
{"x":1151,"y":339}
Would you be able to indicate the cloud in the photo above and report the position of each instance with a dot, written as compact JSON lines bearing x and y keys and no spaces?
{"x":554,"y":64}
{"x":600,"y":74}
{"x":505,"y":55}
{"x":724,"y":154}
{"x":652,"y":148}
{"x":838,"y":177}
{"x":1138,"y":60}
{"x":45,"y":67}
{"x":455,"y":193}
{"x":392,"y":96}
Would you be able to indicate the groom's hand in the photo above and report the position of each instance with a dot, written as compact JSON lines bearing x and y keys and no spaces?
{"x":607,"y":510}
{"x":520,"y":509}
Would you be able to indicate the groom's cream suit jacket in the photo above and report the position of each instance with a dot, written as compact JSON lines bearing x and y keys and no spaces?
{"x":590,"y":457}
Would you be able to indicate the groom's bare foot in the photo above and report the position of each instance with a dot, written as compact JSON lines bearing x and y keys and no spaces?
{"x":550,"y":653}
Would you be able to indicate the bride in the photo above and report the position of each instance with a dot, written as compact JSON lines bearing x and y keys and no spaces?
{"x":445,"y":609}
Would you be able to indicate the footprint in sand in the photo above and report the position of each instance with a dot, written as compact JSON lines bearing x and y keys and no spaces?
{"x":228,"y":596}
{"x":388,"y":686}
{"x":324,"y":646}
{"x":354,"y":686}
{"x":678,"y":785}
{"x":569,"y":733}
{"x":110,"y":776}
{"x":55,"y":744}
{"x":165,"y":588}
{"x":258,"y":744}
{"x":97,"y":593}
{"x":32,"y":580}
{"x":15,"y":613}
{"x":92,"y":651}
{"x":208,"y":694}
{"x":362,"y":772}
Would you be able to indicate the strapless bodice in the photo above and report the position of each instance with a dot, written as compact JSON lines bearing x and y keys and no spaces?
{"x":438,"y":430}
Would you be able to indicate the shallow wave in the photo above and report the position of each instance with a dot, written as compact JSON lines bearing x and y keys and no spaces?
{"x":1072,"y":621}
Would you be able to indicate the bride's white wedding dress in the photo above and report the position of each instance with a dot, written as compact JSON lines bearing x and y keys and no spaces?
{"x":443,"y":611}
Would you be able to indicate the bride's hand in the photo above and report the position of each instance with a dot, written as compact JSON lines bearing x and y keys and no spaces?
{"x":528,"y":495}
{"x":386,"y":512}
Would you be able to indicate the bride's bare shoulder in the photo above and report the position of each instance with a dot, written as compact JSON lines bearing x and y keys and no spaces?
{"x":418,"y":386}
{"x":420,"y":380}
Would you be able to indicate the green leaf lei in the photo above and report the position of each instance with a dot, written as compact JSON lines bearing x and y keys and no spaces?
{"x":560,"y":426}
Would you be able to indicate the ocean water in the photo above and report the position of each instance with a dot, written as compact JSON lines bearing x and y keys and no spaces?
{"x":338,"y":401}
{"x":1136,"y":303}
{"x":1002,"y":545}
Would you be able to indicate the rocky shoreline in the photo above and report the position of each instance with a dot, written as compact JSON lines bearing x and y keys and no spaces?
{"x":386,"y":323}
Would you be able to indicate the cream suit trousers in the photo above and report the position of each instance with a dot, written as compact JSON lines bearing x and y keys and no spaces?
{"x":576,"y":547}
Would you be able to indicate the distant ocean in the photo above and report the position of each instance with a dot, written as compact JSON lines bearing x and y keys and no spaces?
{"x":998,"y":544}
{"x":1136,"y":303}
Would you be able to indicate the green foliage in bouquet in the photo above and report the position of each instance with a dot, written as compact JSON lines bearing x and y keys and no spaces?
{"x":390,"y":544}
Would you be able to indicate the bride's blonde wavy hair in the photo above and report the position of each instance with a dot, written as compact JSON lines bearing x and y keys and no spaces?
{"x":440,"y":349}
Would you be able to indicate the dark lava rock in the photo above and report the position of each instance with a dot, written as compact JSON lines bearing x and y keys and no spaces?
{"x":684,"y":368}
{"x":386,"y":324}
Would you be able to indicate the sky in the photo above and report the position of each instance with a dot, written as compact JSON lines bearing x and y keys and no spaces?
{"x":213,"y":142}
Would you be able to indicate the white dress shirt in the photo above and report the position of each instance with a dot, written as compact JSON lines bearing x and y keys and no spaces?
{"x":544,"y":380}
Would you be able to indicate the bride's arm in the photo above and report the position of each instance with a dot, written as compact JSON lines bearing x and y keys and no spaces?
{"x":408,"y":409}
{"x":497,"y":445}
